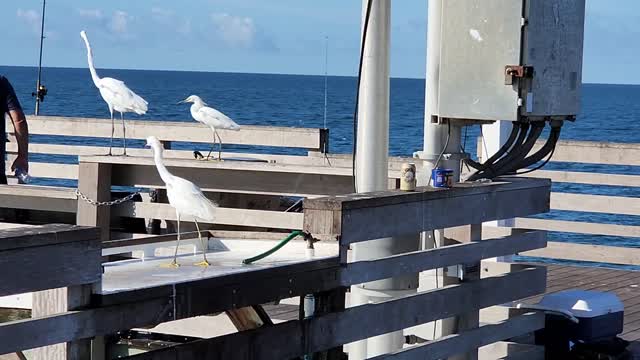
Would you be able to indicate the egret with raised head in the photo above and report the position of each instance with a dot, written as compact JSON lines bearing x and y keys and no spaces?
{"x":185,"y":197}
{"x":116,"y":94}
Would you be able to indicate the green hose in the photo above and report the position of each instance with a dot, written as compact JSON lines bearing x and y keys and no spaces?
{"x":282,"y":243}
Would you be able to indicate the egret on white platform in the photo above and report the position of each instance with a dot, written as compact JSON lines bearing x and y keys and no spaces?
{"x":212,"y":118}
{"x":185,"y":197}
{"x":116,"y":94}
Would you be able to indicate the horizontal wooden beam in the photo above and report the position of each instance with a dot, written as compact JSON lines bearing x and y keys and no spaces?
{"x":584,"y":252}
{"x":81,"y":324}
{"x":587,"y":178}
{"x":188,"y":131}
{"x":356,"y":323}
{"x":579,"y":227}
{"x":595,"y":203}
{"x":469,"y":340}
{"x":365,"y":271}
{"x":48,"y":257}
{"x":52,"y":234}
{"x":45,"y":198}
{"x":223,"y":216}
{"x":362,"y":217}
{"x":588,"y":152}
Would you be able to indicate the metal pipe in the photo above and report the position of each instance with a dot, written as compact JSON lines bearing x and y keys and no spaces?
{"x":371,"y":158}
{"x":37,"y":112}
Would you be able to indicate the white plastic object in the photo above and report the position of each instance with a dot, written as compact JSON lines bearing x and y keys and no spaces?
{"x":583,"y":303}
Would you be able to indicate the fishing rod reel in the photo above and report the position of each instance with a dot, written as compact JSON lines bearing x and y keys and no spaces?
{"x":40,"y":93}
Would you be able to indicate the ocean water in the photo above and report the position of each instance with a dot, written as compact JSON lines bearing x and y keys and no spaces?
{"x":609,"y":113}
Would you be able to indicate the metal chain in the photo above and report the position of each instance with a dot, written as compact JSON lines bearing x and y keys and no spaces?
{"x":106,"y":203}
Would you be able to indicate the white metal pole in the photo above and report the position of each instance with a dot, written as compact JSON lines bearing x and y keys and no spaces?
{"x":493,"y":137}
{"x":372,"y":173}
{"x":435,"y":138}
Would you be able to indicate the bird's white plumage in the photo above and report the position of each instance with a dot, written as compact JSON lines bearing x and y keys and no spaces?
{"x":114,"y":92}
{"x":184,"y":196}
{"x":210,"y":116}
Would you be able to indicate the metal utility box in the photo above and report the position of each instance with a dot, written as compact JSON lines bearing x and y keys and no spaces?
{"x":511,"y":59}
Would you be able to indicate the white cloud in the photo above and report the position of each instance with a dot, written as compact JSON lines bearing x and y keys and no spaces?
{"x":236,"y":31}
{"x":161,"y":14}
{"x":91,"y":13}
{"x":31,"y":18}
{"x":119,"y":22}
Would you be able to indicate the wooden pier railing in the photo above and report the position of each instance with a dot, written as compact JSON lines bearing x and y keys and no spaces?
{"x":128,"y":295}
{"x":596,"y":153}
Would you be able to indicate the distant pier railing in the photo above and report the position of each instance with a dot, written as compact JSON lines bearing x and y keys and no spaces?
{"x":594,"y":153}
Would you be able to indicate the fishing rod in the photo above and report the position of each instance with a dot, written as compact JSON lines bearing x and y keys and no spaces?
{"x":41,"y":90}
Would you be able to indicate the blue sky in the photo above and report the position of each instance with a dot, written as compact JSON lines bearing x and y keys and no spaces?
{"x":284,"y":36}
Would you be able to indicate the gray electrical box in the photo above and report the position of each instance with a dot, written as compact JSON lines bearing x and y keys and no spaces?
{"x":511,"y":59}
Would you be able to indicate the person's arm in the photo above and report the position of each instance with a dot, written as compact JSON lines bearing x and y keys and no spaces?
{"x":22,"y":138}
{"x":19,"y":124}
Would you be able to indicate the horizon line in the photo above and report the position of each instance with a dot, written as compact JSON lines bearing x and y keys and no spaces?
{"x":260,"y":73}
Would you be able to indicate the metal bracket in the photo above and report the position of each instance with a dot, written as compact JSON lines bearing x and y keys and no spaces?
{"x":516,"y":71}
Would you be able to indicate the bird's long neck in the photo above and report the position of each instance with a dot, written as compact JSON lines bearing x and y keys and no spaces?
{"x":197,"y":105}
{"x":162,"y":170}
{"x":92,"y":68}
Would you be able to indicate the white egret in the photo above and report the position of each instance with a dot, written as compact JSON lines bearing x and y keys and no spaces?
{"x":185,"y":197}
{"x":116,"y":94}
{"x":212,"y":118}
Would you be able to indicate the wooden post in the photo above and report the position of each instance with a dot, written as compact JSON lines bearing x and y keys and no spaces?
{"x":471,"y":272}
{"x":55,"y":301}
{"x":327,"y":302}
{"x":94,"y":181}
{"x":248,"y":318}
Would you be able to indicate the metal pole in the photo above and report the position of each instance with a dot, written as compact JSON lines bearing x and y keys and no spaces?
{"x":435,"y":138}
{"x":37,"y":112}
{"x":372,"y":174}
{"x":326,"y":74}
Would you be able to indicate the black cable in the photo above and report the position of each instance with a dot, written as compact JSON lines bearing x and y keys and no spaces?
{"x":539,"y":166}
{"x":522,"y":152}
{"x":515,"y":131}
{"x":549,"y":146}
{"x":355,"y":112}
{"x":489,"y":171}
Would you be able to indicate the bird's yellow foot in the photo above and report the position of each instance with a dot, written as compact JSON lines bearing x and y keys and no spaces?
{"x":203,"y":263}
{"x":171,"y":265}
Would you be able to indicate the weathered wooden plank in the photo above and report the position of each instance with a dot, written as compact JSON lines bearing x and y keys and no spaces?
{"x":52,"y":234}
{"x":591,"y":152}
{"x":471,"y":339}
{"x":80,"y":324}
{"x":95,"y":183}
{"x":365,"y":271}
{"x":38,"y":198}
{"x":356,"y":323}
{"x":587,"y":178}
{"x":50,"y":266}
{"x":393,"y":213}
{"x":224,"y":216}
{"x":307,"y":138}
{"x":593,"y":203}
{"x":579,"y":227}
{"x":46,"y":170}
{"x":583,"y":252}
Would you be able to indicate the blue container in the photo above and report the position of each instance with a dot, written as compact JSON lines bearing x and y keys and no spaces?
{"x":441,"y":178}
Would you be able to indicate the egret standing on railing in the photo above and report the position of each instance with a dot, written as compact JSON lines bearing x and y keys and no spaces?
{"x":116,"y":94}
{"x":185,"y":197}
{"x":212,"y":118}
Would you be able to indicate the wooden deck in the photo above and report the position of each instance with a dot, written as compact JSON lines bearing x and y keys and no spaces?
{"x":626,"y":284}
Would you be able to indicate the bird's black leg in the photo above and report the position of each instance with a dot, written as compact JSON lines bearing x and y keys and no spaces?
{"x":124,"y":134}
{"x":220,"y":148}
{"x":212,"y":145}
{"x":112,"y":131}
